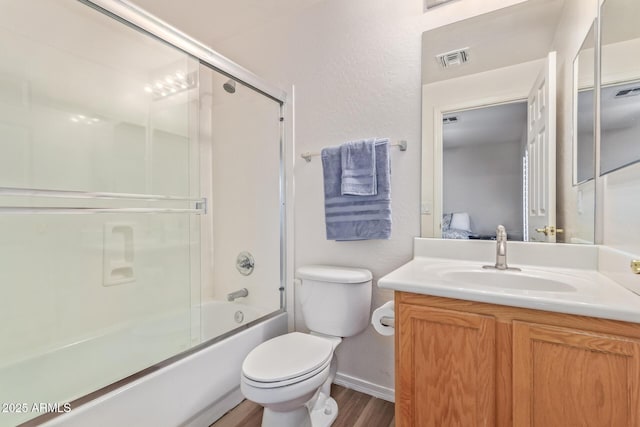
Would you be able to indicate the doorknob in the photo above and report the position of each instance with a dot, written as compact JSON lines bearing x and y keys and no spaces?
{"x":549,"y":230}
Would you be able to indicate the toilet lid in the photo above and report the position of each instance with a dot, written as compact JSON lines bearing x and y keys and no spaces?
{"x":287,"y":356}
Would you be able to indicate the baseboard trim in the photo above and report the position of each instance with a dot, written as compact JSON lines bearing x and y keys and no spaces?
{"x":366,"y":387}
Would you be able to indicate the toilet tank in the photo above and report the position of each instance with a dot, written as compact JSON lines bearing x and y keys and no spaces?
{"x":335,"y":300}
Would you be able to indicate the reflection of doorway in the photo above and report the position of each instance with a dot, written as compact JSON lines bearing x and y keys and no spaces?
{"x":483,"y":150}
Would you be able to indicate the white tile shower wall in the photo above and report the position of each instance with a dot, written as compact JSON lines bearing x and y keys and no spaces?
{"x":245,"y":207}
{"x":356,"y":70}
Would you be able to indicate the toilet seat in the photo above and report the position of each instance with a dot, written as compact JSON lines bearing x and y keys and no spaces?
{"x":276,"y":384}
{"x":287,"y":359}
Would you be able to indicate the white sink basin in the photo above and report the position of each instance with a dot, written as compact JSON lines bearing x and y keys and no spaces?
{"x":565,"y":290}
{"x":507,"y":279}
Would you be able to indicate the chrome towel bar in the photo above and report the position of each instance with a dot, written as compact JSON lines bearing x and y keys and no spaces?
{"x":401,"y":144}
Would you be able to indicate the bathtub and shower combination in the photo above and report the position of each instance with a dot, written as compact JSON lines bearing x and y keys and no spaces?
{"x":133,"y":188}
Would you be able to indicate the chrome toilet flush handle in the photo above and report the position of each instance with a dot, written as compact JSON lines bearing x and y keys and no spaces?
{"x":245,"y":263}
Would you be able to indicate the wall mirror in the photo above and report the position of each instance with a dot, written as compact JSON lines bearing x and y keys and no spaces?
{"x":620,"y":85}
{"x":584,"y":110}
{"x":489,"y":85}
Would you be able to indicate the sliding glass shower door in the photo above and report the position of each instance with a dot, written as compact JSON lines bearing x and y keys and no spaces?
{"x":99,"y":202}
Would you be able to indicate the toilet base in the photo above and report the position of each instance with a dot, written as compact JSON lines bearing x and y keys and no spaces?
{"x":297,"y":417}
{"x":324,"y":415}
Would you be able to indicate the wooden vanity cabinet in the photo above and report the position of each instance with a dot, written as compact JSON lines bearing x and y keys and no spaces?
{"x":463,"y":363}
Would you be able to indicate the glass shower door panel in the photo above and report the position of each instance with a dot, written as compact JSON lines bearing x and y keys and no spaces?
{"x":90,"y":299}
{"x":89,"y":104}
{"x":99,"y":224}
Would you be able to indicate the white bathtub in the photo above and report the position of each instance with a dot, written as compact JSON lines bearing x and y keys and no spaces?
{"x":193,"y":391}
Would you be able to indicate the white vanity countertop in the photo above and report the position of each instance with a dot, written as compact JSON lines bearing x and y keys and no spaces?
{"x":589,"y":293}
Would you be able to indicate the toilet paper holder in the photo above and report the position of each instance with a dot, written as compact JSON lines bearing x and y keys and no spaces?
{"x":388,"y":321}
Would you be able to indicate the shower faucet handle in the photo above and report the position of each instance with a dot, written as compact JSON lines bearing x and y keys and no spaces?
{"x":245,"y":263}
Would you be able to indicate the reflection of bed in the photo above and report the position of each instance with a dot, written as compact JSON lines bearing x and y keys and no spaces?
{"x":457,"y":225}
{"x":453,"y":233}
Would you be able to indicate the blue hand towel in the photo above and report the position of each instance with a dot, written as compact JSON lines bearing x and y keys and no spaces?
{"x":359,"y":168}
{"x":357,"y":217}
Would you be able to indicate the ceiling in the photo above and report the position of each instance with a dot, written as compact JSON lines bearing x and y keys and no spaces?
{"x":620,"y":20}
{"x":513,"y":35}
{"x":211,"y":21}
{"x":496,"y":124}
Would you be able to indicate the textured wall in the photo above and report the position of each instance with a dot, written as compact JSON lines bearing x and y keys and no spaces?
{"x":575,"y":204}
{"x":355,"y":67}
{"x":622,"y":209}
{"x":356,"y":71}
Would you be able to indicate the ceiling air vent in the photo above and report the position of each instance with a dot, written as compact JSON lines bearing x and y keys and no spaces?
{"x":633,"y":91}
{"x":449,"y":120}
{"x":455,"y":57}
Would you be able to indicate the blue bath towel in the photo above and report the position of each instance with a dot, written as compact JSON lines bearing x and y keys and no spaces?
{"x":359,"y":168}
{"x":357,"y":217}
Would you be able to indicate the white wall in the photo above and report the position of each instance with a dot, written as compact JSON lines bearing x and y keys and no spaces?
{"x":620,"y":202}
{"x":622,"y":209}
{"x":356,"y":70}
{"x":355,"y":67}
{"x":485,"y":181}
{"x":575,"y":212}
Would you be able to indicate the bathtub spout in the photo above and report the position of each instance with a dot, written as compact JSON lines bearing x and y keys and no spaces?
{"x":237,"y":294}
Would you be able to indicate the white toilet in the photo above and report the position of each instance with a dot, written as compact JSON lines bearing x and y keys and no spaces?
{"x":291,"y":375}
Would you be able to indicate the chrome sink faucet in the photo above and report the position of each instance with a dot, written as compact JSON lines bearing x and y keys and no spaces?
{"x":501,"y":248}
{"x":501,"y":251}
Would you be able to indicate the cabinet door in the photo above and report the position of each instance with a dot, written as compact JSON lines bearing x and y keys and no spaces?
{"x":567,"y":377}
{"x":445,"y":368}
